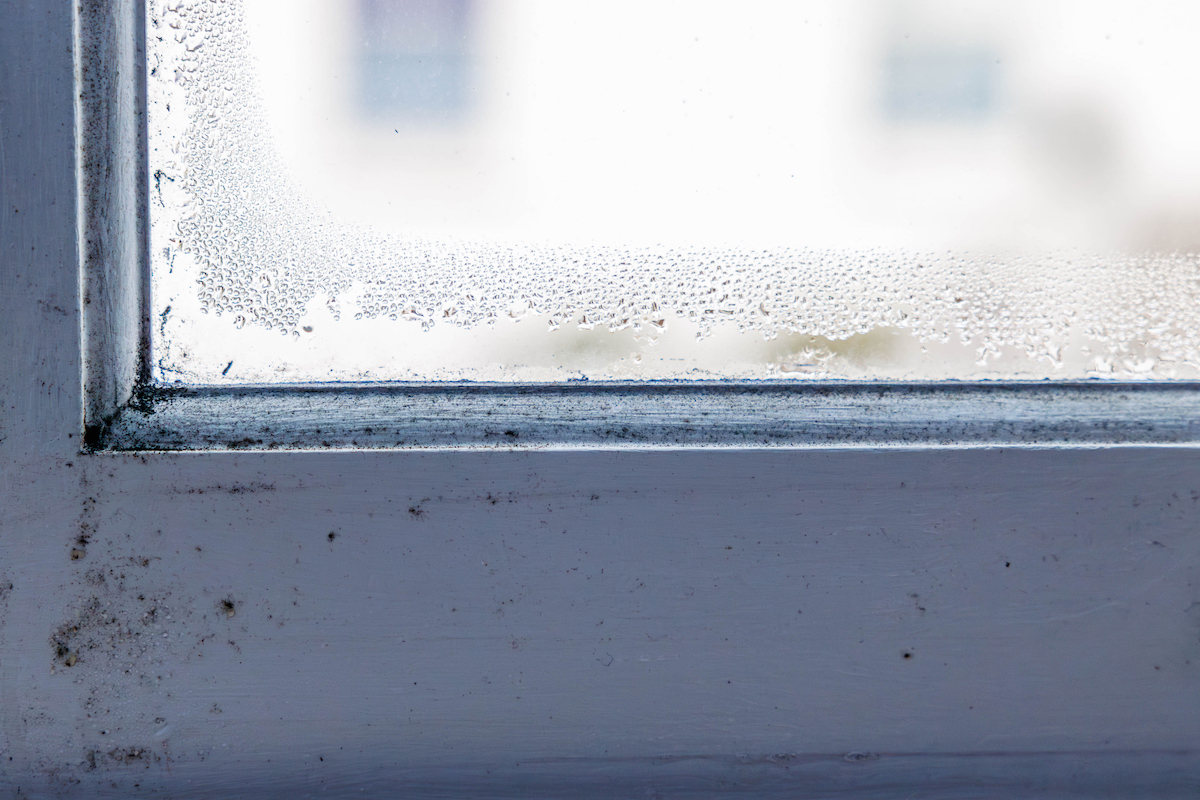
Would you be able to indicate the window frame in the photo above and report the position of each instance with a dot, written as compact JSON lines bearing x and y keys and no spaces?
{"x":126,"y":411}
{"x":1057,"y":661}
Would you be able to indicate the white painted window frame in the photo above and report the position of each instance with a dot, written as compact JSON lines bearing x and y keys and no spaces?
{"x":758,"y":608}
{"x":126,"y":411}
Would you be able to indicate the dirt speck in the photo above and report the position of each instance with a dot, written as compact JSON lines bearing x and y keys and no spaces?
{"x":120,"y":755}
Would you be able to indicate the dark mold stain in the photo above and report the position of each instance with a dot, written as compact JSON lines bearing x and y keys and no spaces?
{"x":94,"y":627}
{"x":120,"y":755}
{"x":234,"y":488}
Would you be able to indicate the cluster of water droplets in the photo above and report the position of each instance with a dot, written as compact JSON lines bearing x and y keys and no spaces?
{"x":261,"y":253}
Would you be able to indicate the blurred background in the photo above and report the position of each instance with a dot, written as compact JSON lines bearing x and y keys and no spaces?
{"x":1019,"y":132}
{"x":827,"y":123}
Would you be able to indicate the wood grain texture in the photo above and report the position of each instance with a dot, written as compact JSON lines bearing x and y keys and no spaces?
{"x":805,"y":622}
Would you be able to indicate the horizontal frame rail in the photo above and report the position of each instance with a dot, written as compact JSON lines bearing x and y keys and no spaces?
{"x":655,"y":415}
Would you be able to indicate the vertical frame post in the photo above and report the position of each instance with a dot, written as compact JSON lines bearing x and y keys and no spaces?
{"x":110,"y":72}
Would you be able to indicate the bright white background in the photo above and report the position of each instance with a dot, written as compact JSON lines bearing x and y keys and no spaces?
{"x":757,"y":124}
{"x":760,"y":122}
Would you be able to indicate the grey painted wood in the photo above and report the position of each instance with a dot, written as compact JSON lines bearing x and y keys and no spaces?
{"x":571,"y":622}
{"x":658,"y":415}
{"x":113,"y":186}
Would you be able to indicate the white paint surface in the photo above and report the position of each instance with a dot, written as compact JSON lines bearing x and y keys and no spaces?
{"x":509,"y":624}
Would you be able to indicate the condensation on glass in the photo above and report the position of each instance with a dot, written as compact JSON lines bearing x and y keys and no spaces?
{"x":538,"y":190}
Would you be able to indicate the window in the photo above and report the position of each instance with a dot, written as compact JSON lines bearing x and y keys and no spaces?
{"x":427,"y":190}
{"x":983,"y":617}
{"x":471,"y":339}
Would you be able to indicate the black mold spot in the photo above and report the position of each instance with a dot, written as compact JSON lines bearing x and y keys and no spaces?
{"x":916,"y":598}
{"x":908,"y":655}
{"x":128,"y":755}
{"x":228,"y":607}
{"x":416,"y":511}
{"x":235,"y":488}
{"x":332,"y":536}
{"x":92,"y":628}
{"x":93,"y":437}
{"x":120,"y":755}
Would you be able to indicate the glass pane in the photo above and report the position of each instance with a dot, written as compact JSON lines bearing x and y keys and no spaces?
{"x":543,"y":190}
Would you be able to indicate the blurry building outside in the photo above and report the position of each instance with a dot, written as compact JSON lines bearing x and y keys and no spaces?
{"x":990,"y":127}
